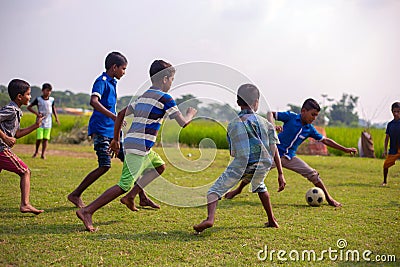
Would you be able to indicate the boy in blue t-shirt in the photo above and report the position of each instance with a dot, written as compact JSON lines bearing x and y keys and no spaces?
{"x":101,"y":123}
{"x":149,"y":110}
{"x":392,"y":133}
{"x":296,"y":129}
{"x":45,"y":107}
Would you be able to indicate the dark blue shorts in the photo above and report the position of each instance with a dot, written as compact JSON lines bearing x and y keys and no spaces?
{"x":101,"y":146}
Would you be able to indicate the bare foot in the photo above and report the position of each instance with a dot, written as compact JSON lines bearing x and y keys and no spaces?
{"x":34,"y":155}
{"x":273,"y":224}
{"x":384,"y":184}
{"x":42,"y":157}
{"x":232,"y":194}
{"x":130,"y":204}
{"x":148,"y":202}
{"x":30,"y":209}
{"x":202,"y":226}
{"x":333,"y":202}
{"x":77,"y":201}
{"x":86,"y":218}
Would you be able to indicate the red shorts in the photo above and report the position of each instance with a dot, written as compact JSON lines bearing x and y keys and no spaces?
{"x":10,"y":162}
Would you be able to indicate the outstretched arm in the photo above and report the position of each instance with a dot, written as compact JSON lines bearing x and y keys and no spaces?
{"x":27,"y":130}
{"x":183,"y":121}
{"x":329,"y":142}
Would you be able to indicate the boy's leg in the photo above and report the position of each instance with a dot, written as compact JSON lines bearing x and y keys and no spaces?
{"x":46,"y":138}
{"x":86,"y":213}
{"x":231,"y":194}
{"x":101,"y":145}
{"x":75,"y":196}
{"x":298,"y":165}
{"x":44,"y":147}
{"x":25,"y":185}
{"x":266,"y":202}
{"x":147,"y":177}
{"x":212,"y":201}
{"x":385,"y":174}
{"x":37,"y":145}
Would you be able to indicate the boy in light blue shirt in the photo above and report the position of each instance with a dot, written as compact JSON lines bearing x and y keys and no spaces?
{"x":252,"y":141}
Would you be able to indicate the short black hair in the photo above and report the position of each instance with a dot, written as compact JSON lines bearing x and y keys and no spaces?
{"x":17,"y":87}
{"x":395,"y":105}
{"x":47,"y":86}
{"x":159,"y":69}
{"x":115,"y":58}
{"x":310,"y":104}
{"x":247,"y":94}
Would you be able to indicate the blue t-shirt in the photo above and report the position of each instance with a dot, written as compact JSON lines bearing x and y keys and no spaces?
{"x":294,"y":133}
{"x":105,"y":88}
{"x":393,"y":130}
{"x":149,"y":111}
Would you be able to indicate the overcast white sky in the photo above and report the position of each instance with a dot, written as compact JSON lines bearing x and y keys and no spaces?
{"x":291,"y":49}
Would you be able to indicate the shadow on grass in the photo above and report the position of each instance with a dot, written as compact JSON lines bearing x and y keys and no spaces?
{"x":176,"y":235}
{"x":357,"y":185}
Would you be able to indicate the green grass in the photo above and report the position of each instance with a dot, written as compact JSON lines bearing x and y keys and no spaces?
{"x":369,"y":219}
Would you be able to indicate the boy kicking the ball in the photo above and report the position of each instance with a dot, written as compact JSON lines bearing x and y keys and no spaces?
{"x":252,"y":141}
{"x":296,"y":129}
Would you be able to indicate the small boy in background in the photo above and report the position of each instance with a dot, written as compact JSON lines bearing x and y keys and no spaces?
{"x":45,"y":107}
{"x":10,"y":116}
{"x":392,"y":134}
{"x":252,"y":141}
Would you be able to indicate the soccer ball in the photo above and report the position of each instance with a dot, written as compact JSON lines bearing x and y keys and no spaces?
{"x":315,"y":196}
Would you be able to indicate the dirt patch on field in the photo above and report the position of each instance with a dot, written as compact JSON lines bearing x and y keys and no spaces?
{"x":29,"y":149}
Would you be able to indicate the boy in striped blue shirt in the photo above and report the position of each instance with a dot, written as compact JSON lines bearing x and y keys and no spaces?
{"x":149,"y":111}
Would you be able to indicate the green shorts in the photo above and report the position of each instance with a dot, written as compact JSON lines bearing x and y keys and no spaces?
{"x":43,"y":133}
{"x":135,"y":165}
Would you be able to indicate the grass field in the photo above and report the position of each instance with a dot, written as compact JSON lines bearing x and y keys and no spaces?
{"x":369,"y":219}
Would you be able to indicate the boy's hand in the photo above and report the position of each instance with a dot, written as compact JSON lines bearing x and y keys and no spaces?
{"x":281,"y":182}
{"x":191,"y":112}
{"x":10,"y":141}
{"x":113,"y":150}
{"x":278,"y":128}
{"x":39,"y":120}
{"x":351,"y":150}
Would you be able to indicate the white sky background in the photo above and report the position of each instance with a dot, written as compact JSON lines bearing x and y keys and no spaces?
{"x":291,"y":49}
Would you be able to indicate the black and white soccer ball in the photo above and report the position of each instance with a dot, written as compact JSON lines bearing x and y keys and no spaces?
{"x":315,"y":196}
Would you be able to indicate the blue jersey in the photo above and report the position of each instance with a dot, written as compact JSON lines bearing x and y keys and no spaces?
{"x":393,"y":130}
{"x":105,"y":88}
{"x":294,"y":133}
{"x":149,"y":111}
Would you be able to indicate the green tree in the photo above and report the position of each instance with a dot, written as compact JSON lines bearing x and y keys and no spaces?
{"x":342,"y":112}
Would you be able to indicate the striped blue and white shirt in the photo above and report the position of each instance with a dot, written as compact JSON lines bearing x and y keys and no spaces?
{"x":149,"y":111}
